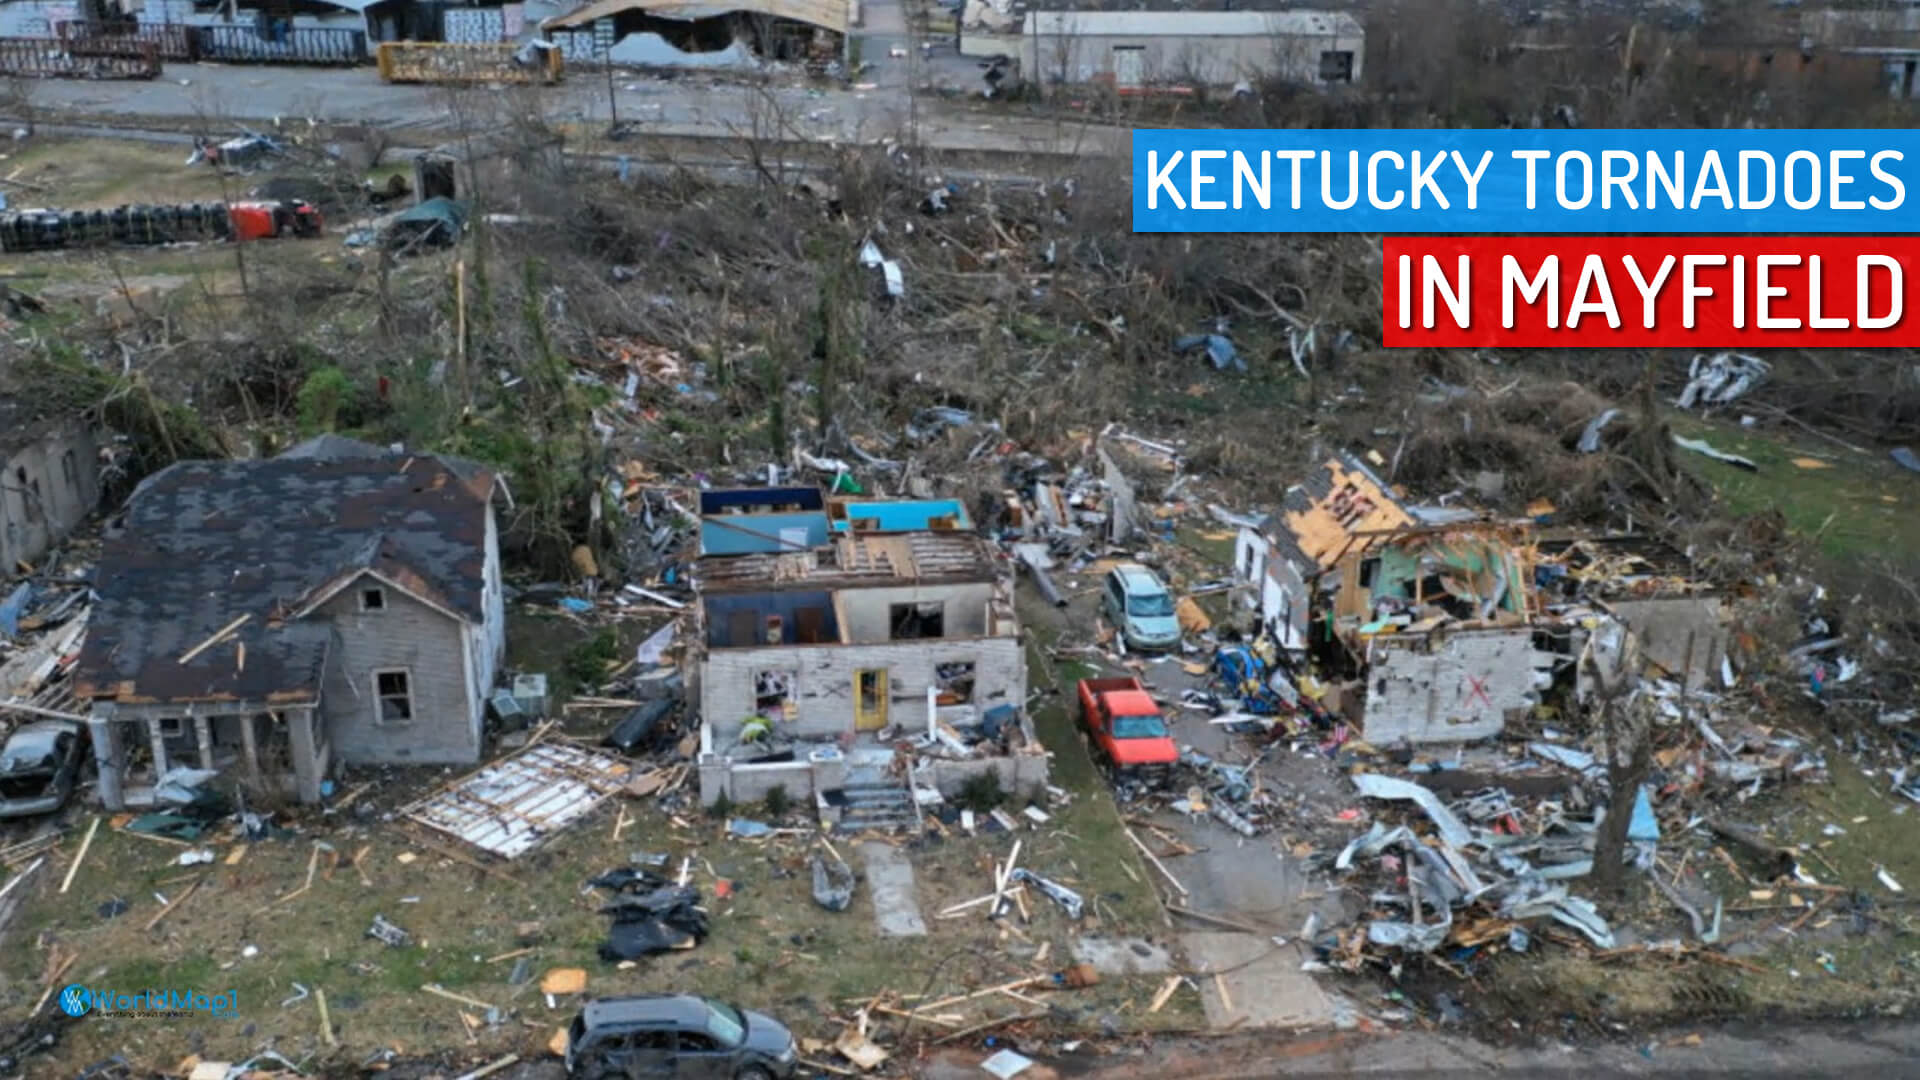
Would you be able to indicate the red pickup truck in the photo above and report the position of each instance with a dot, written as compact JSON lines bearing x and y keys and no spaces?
{"x":1125,"y":725}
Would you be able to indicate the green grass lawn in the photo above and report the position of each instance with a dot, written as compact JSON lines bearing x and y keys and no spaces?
{"x":1856,"y":505}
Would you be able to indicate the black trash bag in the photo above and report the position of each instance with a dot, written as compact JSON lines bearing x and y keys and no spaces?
{"x":628,"y":879}
{"x":660,"y":902}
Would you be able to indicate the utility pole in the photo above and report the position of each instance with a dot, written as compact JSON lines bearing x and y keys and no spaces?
{"x":613,"y":103}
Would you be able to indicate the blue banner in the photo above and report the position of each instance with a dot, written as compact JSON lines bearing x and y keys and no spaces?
{"x":1534,"y":181}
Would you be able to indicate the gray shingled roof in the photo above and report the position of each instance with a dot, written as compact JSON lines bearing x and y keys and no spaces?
{"x":205,"y":542}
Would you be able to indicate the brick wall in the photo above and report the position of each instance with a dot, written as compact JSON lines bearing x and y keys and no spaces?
{"x":823,"y":684}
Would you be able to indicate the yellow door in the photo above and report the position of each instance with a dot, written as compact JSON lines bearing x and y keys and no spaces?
{"x":870,"y":700}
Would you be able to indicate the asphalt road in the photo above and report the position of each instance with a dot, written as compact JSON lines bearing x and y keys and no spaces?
{"x":224,"y":97}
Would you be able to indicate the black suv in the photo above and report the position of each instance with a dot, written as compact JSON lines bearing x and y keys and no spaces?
{"x":677,"y":1036}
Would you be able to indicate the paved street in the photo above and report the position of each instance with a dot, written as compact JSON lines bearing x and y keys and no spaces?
{"x":692,"y":106}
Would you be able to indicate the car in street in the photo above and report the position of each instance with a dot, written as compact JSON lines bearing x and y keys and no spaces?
{"x":1139,"y":605}
{"x":677,"y":1037}
{"x":39,"y":766}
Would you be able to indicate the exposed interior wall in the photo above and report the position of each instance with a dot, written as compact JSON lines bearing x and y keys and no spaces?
{"x":869,"y":612}
{"x":407,"y":635}
{"x":823,"y":688}
{"x":1456,"y":688}
{"x":739,"y":620}
{"x":746,"y":534}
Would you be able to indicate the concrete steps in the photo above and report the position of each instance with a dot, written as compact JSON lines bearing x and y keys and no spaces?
{"x":876,"y":806}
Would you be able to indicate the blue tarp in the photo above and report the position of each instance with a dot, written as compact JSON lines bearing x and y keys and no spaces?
{"x":13,"y":607}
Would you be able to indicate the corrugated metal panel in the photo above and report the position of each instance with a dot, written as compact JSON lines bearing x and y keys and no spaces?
{"x":1193,"y":24}
{"x":509,"y":807}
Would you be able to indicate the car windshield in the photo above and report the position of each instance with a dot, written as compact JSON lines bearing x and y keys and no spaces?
{"x":26,"y":754}
{"x":725,"y":1023}
{"x":1150,"y":605}
{"x":1139,"y":727}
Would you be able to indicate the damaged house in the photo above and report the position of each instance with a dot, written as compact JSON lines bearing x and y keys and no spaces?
{"x":1435,"y":618}
{"x":1439,"y":621}
{"x":1680,"y":622}
{"x":49,"y":481}
{"x":832,"y":658}
{"x":339,"y":604}
{"x":1316,"y":523}
{"x":727,"y":32}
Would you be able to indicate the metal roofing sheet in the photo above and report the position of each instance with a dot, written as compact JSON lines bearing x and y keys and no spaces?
{"x":512,"y":805}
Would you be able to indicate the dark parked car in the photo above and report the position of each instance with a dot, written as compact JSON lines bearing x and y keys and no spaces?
{"x":677,"y":1036}
{"x":39,"y":766}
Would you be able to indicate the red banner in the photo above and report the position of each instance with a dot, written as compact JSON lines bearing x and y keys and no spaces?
{"x":1686,"y":292}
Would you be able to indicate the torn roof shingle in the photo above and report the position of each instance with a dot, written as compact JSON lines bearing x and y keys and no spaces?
{"x":1336,"y":499}
{"x":205,"y":542}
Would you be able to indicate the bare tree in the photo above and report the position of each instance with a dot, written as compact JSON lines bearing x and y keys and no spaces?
{"x":1612,"y":661}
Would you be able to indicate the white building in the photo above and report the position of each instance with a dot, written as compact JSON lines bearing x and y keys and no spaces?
{"x":1139,"y":50}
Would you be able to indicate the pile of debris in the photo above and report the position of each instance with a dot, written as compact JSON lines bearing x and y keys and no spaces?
{"x":649,"y":913}
{"x":41,"y":627}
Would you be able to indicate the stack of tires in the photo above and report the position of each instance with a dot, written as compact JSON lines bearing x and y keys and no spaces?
{"x":53,"y":230}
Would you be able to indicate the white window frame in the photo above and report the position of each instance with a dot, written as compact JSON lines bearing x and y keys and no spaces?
{"x":379,"y":699}
{"x":373,"y":591}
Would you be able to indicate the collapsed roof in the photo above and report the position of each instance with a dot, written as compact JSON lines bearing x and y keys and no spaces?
{"x":831,"y":15}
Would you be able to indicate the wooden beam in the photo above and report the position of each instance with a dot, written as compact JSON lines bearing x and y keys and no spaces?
{"x":171,"y":904}
{"x":14,"y":704}
{"x":74,"y":867}
{"x":218,"y":635}
{"x":1155,"y":860}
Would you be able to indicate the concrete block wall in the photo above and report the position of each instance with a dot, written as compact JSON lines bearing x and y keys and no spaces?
{"x":750,"y":783}
{"x":1021,"y":775}
{"x":824,"y":675}
{"x":1456,"y":688}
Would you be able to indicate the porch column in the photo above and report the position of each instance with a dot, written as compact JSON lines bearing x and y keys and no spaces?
{"x":203,"y":738}
{"x":306,"y":763}
{"x":106,"y":750}
{"x":250,"y":747}
{"x":159,"y":744}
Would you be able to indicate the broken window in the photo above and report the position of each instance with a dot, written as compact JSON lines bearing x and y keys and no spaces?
{"x":29,"y":495}
{"x":395,"y":692}
{"x":773,"y":692}
{"x":953,"y":682}
{"x":373,"y":599}
{"x":1336,"y":66}
{"x":909,"y":621}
